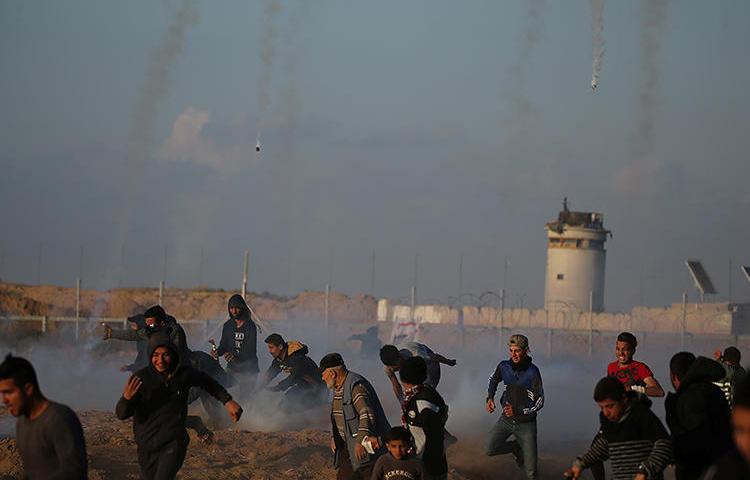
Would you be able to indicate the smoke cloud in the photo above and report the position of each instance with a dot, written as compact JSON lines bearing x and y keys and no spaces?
{"x":521,"y":106}
{"x":143,"y":118}
{"x":597,"y":39}
{"x":645,"y":167}
{"x":267,"y":55}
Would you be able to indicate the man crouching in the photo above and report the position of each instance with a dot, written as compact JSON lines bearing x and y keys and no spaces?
{"x":157,"y":397}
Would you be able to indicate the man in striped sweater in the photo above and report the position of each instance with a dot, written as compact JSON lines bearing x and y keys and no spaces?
{"x":357,"y":419}
{"x":632,"y":437}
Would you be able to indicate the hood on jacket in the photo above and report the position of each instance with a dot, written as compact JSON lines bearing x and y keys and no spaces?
{"x":703,"y":370}
{"x":293,"y":346}
{"x":237,"y":301}
{"x":161,"y":339}
{"x":157,"y":312}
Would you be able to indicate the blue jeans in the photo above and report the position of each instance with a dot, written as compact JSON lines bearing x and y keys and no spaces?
{"x":525,"y":438}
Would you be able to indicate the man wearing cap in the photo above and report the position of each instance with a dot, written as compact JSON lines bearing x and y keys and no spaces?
{"x":522,"y":399}
{"x":357,"y":419}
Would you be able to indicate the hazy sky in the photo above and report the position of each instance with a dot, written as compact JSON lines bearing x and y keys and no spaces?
{"x":436,"y":127}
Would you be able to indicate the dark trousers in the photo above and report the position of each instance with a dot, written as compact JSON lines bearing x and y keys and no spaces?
{"x":164,"y":463}
{"x":346,"y":472}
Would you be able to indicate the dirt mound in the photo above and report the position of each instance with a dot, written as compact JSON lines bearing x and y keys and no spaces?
{"x":195,"y":304}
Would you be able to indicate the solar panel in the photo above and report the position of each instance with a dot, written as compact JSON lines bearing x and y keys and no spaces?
{"x":746,"y":271}
{"x":700,"y":277}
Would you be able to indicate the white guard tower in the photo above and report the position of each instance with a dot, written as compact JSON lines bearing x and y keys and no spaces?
{"x":575,"y":261}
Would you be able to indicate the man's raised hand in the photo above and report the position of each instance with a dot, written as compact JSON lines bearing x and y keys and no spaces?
{"x":132,"y":387}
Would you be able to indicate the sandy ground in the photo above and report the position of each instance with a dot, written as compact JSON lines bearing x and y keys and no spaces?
{"x":242,"y":454}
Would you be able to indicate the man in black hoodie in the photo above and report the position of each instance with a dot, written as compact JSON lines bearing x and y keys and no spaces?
{"x":239,"y":337}
{"x":303,"y":388}
{"x":735,"y":465}
{"x":155,"y":319}
{"x":697,"y":415}
{"x":424,"y":413}
{"x":157,"y":397}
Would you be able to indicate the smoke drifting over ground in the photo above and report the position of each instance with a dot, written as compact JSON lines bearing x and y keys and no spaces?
{"x":86,"y":376}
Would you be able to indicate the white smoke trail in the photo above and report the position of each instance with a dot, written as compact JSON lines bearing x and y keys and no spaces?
{"x":522,"y":108}
{"x":640,"y":174}
{"x":267,"y":54}
{"x":143,"y":118}
{"x":597,"y":40}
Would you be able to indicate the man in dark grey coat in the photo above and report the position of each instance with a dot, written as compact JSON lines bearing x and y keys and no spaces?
{"x":48,"y":434}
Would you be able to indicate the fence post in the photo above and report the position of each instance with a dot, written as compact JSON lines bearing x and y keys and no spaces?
{"x":326,"y":306}
{"x":78,"y":305}
{"x":591,"y":323}
{"x":44,"y":324}
{"x":683,"y":325}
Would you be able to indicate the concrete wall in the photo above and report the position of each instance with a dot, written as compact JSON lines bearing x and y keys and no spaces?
{"x":700,"y":319}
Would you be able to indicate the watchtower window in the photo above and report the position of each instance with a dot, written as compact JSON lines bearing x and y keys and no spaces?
{"x":560,"y":276}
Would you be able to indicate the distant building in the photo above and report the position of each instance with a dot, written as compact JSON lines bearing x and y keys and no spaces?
{"x":576,"y":260}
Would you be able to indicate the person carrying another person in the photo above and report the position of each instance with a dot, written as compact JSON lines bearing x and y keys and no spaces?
{"x":238,"y":346}
{"x":521,"y":401}
{"x":358,"y":421}
{"x":157,"y":399}
{"x":399,"y":463}
{"x":697,"y":415}
{"x":49,"y":436}
{"x":424,"y":413}
{"x":391,"y":357}
{"x":303,"y":388}
{"x":632,"y":437}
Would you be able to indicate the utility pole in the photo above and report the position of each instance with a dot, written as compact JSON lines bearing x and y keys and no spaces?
{"x":683,"y":325}
{"x":200,"y":268}
{"x":122,"y":265}
{"x":460,"y":300}
{"x":730,"y":279}
{"x":372,"y":273}
{"x":164,"y":266}
{"x":80,"y":264}
{"x":39,"y":265}
{"x":78,"y":303}
{"x":327,"y":306}
{"x":244,"y":273}
{"x":416,"y":276}
{"x":591,"y":323}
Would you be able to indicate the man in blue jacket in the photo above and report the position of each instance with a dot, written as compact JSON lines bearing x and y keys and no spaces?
{"x":522,"y":399}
